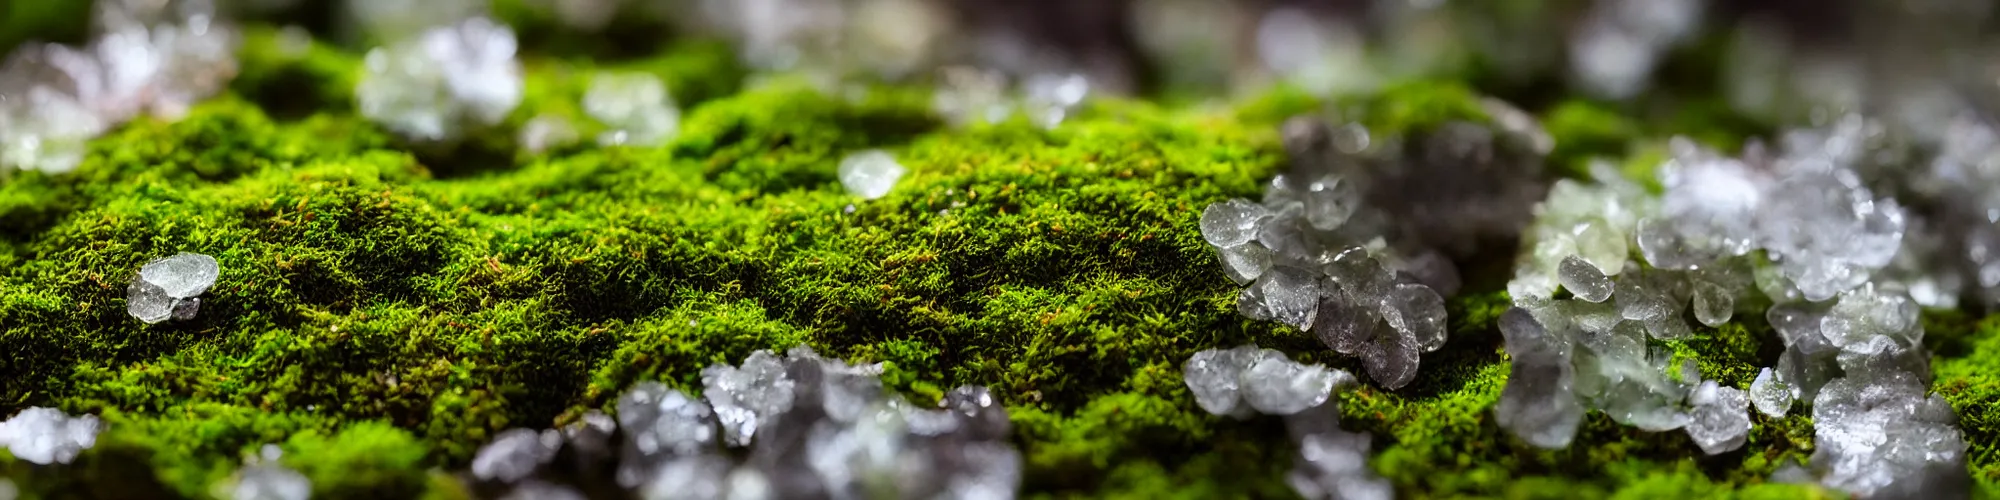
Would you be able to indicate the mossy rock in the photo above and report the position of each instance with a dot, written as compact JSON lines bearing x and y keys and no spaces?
{"x":383,"y":311}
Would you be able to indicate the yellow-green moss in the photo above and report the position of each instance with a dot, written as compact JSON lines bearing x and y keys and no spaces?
{"x":383,"y":311}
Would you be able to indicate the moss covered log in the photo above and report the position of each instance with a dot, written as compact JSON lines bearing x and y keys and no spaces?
{"x":384,"y":308}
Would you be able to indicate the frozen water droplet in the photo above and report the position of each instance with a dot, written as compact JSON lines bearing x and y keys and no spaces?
{"x":1244,"y":263}
{"x":1231,"y":223}
{"x":1417,"y":312}
{"x":1584,"y":280}
{"x":1770,"y":393}
{"x":1713,"y":304}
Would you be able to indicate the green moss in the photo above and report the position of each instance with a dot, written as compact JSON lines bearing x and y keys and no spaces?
{"x":383,"y":310}
{"x":56,"y":22}
{"x":1584,"y":132}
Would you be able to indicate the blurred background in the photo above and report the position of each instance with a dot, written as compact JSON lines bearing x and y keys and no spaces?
{"x":1765,"y":60}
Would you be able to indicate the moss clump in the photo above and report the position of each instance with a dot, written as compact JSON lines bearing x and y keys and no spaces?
{"x":384,"y":310}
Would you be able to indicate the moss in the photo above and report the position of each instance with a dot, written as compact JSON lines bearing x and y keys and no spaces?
{"x":1585,"y":131}
{"x":384,"y":310}
{"x":55,"y":22}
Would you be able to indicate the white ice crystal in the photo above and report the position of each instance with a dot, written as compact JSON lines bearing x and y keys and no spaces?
{"x":47,"y":435}
{"x":870,"y":174}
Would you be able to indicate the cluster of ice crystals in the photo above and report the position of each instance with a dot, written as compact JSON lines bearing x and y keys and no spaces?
{"x":1877,"y":435}
{"x":435,"y":85}
{"x":263,"y":478}
{"x":635,"y":108}
{"x":145,"y":56}
{"x":46,"y":435}
{"x":971,"y":96}
{"x":1247,"y":380}
{"x":1353,"y":243}
{"x":801,"y":426}
{"x":169,"y":288}
{"x":870,"y":174}
{"x":746,"y":396}
{"x":1797,"y":226}
{"x":1960,"y":250}
{"x":1572,"y":356}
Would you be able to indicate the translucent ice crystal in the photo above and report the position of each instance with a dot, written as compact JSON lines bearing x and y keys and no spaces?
{"x":263,"y":478}
{"x":1771,"y":395}
{"x":1539,"y":404}
{"x":183,"y":275}
{"x":1417,"y":312}
{"x":514,"y":454}
{"x":432,"y":87}
{"x":745,"y":397}
{"x":1583,"y":279}
{"x":1231,"y":223}
{"x":1721,"y":417}
{"x":46,"y":435}
{"x":168,"y":287}
{"x":1246,"y":379}
{"x":870,"y":174}
{"x":1050,"y":97}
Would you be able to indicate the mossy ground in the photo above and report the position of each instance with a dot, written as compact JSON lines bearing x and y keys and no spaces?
{"x":384,"y":309}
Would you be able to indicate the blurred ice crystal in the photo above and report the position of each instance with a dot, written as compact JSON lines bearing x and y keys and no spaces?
{"x":635,"y":108}
{"x":169,"y":287}
{"x":1051,"y":96}
{"x":895,"y":38}
{"x":143,"y":56}
{"x":870,"y":174}
{"x":514,"y":454}
{"x":1317,"y":53}
{"x":821,"y":428}
{"x":47,"y":436}
{"x":263,"y":478}
{"x":436,"y":85}
{"x":1615,"y":48}
{"x":545,"y":132}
